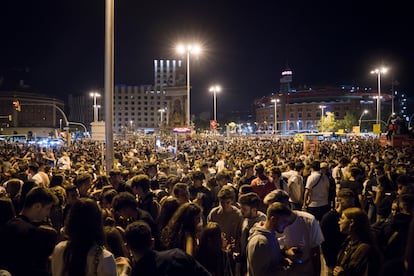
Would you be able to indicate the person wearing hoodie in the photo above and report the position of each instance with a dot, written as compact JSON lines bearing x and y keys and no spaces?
{"x":264,"y":256}
{"x":300,"y":240}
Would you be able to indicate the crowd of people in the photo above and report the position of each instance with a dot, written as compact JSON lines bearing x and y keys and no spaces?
{"x":211,"y":206}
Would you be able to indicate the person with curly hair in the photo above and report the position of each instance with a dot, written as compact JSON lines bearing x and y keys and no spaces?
{"x":181,"y":231}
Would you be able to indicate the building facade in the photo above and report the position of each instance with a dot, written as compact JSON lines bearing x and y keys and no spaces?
{"x":304,"y":108}
{"x":168,"y":73}
{"x":140,"y":108}
{"x":36,"y":110}
{"x":136,"y":107}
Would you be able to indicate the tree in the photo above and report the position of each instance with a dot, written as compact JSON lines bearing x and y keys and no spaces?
{"x":327,"y":123}
{"x":350,"y":120}
{"x":232,"y":126}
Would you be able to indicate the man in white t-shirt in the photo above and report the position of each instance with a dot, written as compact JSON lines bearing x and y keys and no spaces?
{"x":316,"y":197}
{"x":300,"y":240}
{"x":64,"y":162}
{"x":296,"y":187}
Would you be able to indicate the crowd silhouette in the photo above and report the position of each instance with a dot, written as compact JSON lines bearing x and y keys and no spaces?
{"x":211,"y":206}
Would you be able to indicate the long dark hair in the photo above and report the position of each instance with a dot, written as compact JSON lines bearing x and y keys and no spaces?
{"x":168,"y":208}
{"x":84,"y":229}
{"x":181,"y":223}
{"x":210,"y":253}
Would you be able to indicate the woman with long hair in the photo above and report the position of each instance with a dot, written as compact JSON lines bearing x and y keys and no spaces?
{"x":168,"y":207}
{"x":83,"y":253}
{"x":181,"y":230}
{"x":211,"y":244}
{"x":359,"y":254}
{"x":115,"y":243}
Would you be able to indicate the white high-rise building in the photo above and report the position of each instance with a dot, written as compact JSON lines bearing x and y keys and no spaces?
{"x":168,"y":73}
{"x":136,"y":107}
{"x":144,"y":108}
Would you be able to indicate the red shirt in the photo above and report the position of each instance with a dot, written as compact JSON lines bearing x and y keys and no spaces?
{"x":262,"y":186}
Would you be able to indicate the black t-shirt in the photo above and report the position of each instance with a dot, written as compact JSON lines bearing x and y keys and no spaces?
{"x":333,"y":237}
{"x":206,"y":196}
{"x":25,"y":247}
{"x":245,"y":180}
{"x":168,"y":262}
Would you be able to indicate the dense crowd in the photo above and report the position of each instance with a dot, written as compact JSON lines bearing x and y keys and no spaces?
{"x":207,"y":206}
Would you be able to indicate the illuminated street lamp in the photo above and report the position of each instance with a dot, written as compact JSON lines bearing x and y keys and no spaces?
{"x":161,"y":111}
{"x":275,"y":101}
{"x":362,"y":115}
{"x":322,"y":120}
{"x":380,"y":71}
{"x":95,"y":95}
{"x":131,"y":124}
{"x":188,"y":49}
{"x":215,"y":89}
{"x":323,"y":109}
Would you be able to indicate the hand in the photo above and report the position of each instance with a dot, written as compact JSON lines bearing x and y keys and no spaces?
{"x":338,"y":270}
{"x":124,"y":265}
{"x":287,"y":263}
{"x":294,"y":253}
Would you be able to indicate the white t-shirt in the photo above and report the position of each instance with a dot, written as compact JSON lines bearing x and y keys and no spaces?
{"x":106,"y":264}
{"x":319,"y":191}
{"x":64,"y":163}
{"x":296,"y":188}
{"x":304,"y":232}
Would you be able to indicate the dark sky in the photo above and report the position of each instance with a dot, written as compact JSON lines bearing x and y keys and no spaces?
{"x":246,"y":44}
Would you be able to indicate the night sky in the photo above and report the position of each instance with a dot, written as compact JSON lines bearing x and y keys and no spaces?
{"x":246,"y":44}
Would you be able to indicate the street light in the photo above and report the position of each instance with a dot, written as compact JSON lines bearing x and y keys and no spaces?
{"x":322,"y":120}
{"x":188,"y":49}
{"x":161,"y":110}
{"x":95,"y":95}
{"x":275,"y":101}
{"x":362,"y":115}
{"x":215,"y":89}
{"x":379,"y":71}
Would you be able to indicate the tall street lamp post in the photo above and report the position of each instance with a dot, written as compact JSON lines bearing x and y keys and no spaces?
{"x":161,"y":111}
{"x":188,"y":49}
{"x":109,"y":84}
{"x":360,"y":117}
{"x":275,"y":101}
{"x":214,"y":89}
{"x":378,"y":72}
{"x":95,"y":95}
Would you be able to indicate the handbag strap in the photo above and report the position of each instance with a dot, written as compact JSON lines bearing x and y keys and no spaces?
{"x":316,"y":182}
{"x":98,"y":252}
